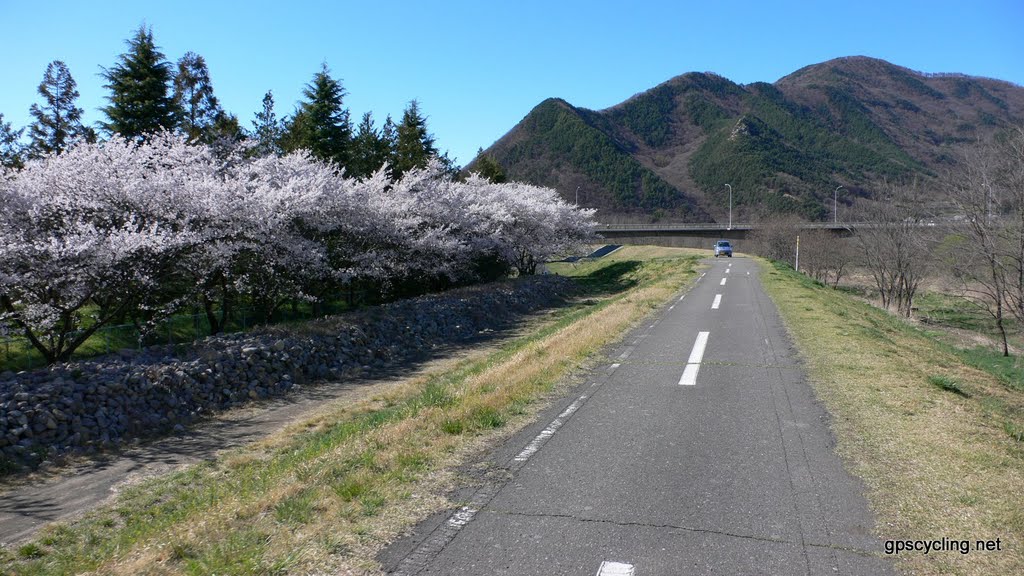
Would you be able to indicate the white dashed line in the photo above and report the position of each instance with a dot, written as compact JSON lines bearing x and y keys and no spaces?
{"x":615,"y":569}
{"x":717,"y":302}
{"x":689,"y":377}
{"x":722,"y":283}
{"x":698,"y":348}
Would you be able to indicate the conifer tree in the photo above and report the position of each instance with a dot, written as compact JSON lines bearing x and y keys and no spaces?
{"x":389,"y":139}
{"x":369,"y":149}
{"x":58,"y":123}
{"x":414,"y":145}
{"x":488,"y":167}
{"x":10,"y":148}
{"x":139,"y":101}
{"x":320,"y":124}
{"x":198,"y":110}
{"x":225,"y":132}
{"x":266,"y":129}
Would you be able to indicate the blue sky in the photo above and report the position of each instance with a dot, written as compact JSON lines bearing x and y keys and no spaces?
{"x":478,"y":67}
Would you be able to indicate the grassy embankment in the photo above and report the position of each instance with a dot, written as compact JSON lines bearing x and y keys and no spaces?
{"x":938,"y":440}
{"x":326,"y":494}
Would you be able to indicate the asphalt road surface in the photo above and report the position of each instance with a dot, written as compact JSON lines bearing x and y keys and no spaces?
{"x":698,"y":448}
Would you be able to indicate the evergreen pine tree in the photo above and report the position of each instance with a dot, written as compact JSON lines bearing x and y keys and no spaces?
{"x":197,"y":108}
{"x":58,"y":123}
{"x":389,"y":140}
{"x":369,"y":149}
{"x":225,"y":133}
{"x":320,"y":124}
{"x":414,"y":145}
{"x":488,"y":167}
{"x":138,"y":84}
{"x":10,"y":148}
{"x":266,"y":129}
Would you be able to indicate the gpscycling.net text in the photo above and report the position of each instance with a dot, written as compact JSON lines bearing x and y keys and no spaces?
{"x":942,"y":545}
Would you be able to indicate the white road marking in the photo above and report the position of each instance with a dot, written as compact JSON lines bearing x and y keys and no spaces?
{"x":722,"y":283}
{"x":698,"y":348}
{"x":681,"y":297}
{"x":689,"y":377}
{"x":548,"y":432}
{"x":615,"y":569}
{"x":462,"y":517}
{"x":727,"y":270}
{"x":717,"y":302}
{"x":672,"y":306}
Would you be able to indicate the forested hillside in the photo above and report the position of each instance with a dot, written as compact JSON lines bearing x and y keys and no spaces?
{"x":784,"y":148}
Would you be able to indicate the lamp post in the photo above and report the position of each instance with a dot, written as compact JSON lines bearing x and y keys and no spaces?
{"x":835,"y":205}
{"x":577,"y":195}
{"x":730,"y":205}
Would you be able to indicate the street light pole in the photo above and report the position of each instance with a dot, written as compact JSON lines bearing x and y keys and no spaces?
{"x":577,"y":195}
{"x":835,"y":205}
{"x":730,"y":205}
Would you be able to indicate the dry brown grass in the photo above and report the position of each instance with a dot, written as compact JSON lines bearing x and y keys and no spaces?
{"x":936,"y":464}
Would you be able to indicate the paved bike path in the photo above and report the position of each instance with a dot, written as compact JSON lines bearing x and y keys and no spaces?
{"x":699,"y":448}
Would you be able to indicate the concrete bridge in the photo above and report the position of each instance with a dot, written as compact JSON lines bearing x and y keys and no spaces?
{"x":689,"y":235}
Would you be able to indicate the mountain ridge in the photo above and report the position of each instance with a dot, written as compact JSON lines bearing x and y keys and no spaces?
{"x":668,"y":152}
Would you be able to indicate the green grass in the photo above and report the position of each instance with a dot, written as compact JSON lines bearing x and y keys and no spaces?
{"x":954,"y":312}
{"x":1008,"y":369}
{"x":343,"y":481}
{"x":949,"y":385}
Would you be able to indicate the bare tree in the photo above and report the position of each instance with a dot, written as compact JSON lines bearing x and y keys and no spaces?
{"x":976,"y":250}
{"x":895,"y":244}
{"x":775,"y":239}
{"x":824,"y":256}
{"x":1009,"y":152}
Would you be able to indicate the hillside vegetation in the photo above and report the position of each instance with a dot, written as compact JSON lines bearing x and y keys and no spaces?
{"x":784,"y":147}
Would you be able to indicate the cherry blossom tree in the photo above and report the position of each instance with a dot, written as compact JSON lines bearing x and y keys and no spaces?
{"x":90,"y":235}
{"x":140,"y":229}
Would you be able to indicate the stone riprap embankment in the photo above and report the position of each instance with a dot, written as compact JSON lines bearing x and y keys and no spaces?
{"x":82,"y":406}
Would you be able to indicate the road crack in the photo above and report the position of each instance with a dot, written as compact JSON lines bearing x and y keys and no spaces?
{"x":629,"y":524}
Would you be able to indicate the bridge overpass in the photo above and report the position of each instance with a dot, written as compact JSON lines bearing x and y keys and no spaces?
{"x":690,"y":235}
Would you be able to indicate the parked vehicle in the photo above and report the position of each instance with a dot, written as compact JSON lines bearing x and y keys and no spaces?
{"x":723,"y":248}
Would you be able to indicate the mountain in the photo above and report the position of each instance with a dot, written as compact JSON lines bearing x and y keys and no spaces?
{"x":668,"y":152}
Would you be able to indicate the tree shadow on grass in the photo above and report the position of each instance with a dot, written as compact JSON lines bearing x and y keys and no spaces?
{"x":610,"y":279}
